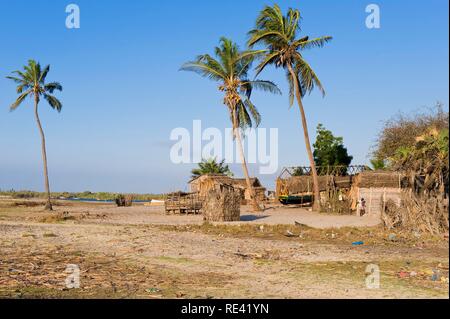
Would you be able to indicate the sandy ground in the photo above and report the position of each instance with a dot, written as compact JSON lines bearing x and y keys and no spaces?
{"x":140,"y":252}
{"x":273,"y":215}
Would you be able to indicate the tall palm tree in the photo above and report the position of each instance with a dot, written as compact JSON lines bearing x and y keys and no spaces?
{"x":31,"y":83}
{"x":230,"y":69}
{"x":278,"y":33}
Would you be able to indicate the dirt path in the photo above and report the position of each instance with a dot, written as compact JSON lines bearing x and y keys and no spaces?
{"x":273,"y":215}
{"x":119,"y":255}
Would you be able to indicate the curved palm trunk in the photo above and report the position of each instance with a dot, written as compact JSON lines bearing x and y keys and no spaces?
{"x":316,"y":205}
{"x":237,"y":134}
{"x":48,"y":205}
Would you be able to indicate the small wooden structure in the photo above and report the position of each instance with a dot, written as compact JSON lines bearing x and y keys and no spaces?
{"x":183,"y":203}
{"x":377,"y":188}
{"x":341,"y":190}
{"x":203,"y":184}
{"x":259,"y":189}
{"x":124,"y":200}
{"x":297,"y":181}
{"x":303,"y":185}
{"x":222,"y":204}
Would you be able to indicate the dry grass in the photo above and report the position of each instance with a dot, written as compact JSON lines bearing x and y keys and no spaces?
{"x":204,"y":261}
{"x":42,"y":275}
{"x":347,"y":235}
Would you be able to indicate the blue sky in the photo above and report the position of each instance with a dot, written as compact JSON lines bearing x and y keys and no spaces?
{"x":123,"y":93}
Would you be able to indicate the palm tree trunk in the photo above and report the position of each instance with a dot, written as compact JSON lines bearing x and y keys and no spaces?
{"x":237,"y":134}
{"x":48,"y":205}
{"x":316,"y":205}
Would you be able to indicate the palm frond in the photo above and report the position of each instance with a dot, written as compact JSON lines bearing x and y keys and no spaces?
{"x":268,"y":59}
{"x":314,"y":43}
{"x":53,"y":101}
{"x":266,"y":86}
{"x":292,"y":23}
{"x":244,"y":61}
{"x":246,"y":88}
{"x":228,"y":53}
{"x":268,"y":36}
{"x":19,"y":100}
{"x":52,"y":86}
{"x":22,"y":87}
{"x":16,"y":79}
{"x":203,"y":70}
{"x":307,"y":76}
{"x":250,"y":107}
{"x":44,"y":74}
{"x":244,"y":119}
{"x":291,"y":88}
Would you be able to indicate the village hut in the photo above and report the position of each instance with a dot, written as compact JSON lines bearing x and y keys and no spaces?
{"x":377,"y":188}
{"x":260,"y":190}
{"x":303,"y":185}
{"x":205,"y":183}
{"x":223,"y":204}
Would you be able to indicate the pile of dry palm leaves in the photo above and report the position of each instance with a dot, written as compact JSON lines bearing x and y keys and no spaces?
{"x":423,"y":215}
{"x":124,"y":200}
{"x":424,"y":207}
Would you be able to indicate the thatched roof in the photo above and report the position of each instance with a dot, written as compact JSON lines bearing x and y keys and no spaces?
{"x":242,"y":182}
{"x":223,"y":179}
{"x":216,"y":177}
{"x":379,"y":179}
{"x":296,"y":185}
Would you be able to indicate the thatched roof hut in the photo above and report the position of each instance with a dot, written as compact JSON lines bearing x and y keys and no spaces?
{"x":260,"y":190}
{"x":303,"y":185}
{"x":376,"y":188}
{"x":379,"y":179}
{"x":203,"y":184}
{"x":223,"y":205}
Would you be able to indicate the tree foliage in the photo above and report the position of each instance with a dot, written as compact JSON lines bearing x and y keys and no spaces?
{"x":427,"y":158}
{"x":31,"y":82}
{"x":211,"y":166}
{"x":378,"y":164}
{"x":400,"y":132}
{"x":230,"y":70}
{"x":279,"y":34}
{"x":330,"y":150}
{"x":417,"y":145}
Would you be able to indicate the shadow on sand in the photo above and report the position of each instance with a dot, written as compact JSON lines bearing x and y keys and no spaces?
{"x":250,"y":218}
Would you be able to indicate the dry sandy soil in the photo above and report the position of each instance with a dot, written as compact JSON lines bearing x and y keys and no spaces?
{"x":140,"y":252}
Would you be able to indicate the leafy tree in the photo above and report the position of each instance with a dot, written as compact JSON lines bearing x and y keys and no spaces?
{"x":428,"y":157}
{"x":31,"y":82}
{"x":298,"y":171}
{"x":278,"y":34}
{"x":378,"y":164}
{"x":330,"y":150}
{"x":230,"y":69}
{"x":211,"y":166}
{"x":402,"y":131}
